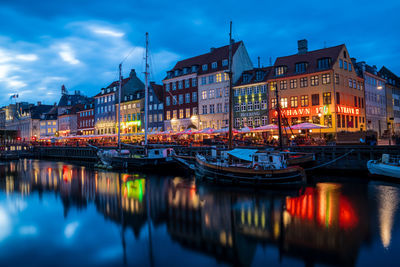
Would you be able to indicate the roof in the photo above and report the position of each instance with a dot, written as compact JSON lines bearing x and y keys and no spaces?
{"x":36,"y":111}
{"x":243,"y":154}
{"x":252,"y":77}
{"x":74,"y":99}
{"x":215,"y":55}
{"x":387,"y":74}
{"x":310,"y":57}
{"x":158,"y":91}
{"x":73,"y":110}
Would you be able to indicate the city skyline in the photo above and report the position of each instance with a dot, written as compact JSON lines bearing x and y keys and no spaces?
{"x":81,"y":45}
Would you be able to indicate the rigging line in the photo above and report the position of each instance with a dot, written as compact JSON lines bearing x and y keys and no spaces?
{"x":130,"y":52}
{"x":329,"y":162}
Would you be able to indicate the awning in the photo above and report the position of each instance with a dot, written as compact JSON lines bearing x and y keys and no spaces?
{"x":243,"y":154}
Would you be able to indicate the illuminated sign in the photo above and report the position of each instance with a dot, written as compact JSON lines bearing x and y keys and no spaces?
{"x":348,"y":110}
{"x":303,"y":111}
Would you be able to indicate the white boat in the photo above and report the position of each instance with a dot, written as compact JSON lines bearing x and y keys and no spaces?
{"x":389,"y":166}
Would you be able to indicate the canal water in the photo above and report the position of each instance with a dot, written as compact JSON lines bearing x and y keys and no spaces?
{"x":60,"y":214}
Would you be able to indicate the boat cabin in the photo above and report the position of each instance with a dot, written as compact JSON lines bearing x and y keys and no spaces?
{"x":156,"y":153}
{"x":268,"y":161}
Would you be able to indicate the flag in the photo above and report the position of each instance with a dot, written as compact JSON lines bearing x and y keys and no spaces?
{"x":14,"y":96}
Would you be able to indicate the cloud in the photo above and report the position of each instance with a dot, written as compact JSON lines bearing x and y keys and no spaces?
{"x":68,"y":55}
{"x":107,"y":32}
{"x":27,"y":57}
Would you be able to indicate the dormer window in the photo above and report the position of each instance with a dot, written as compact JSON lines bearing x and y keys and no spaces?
{"x":246,"y":78}
{"x":131,"y":97}
{"x":185,"y":70}
{"x":280,"y":70}
{"x":225,"y":62}
{"x":301,"y":67}
{"x":204,"y":67}
{"x":176,"y":72}
{"x":259,"y":75}
{"x":125,"y":98}
{"x":108,"y":90}
{"x":194,"y":68}
{"x":324,"y":63}
{"x":169,"y":74}
{"x":102,"y":91}
{"x":214,"y":65}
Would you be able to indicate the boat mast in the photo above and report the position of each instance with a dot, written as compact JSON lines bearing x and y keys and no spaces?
{"x":146,"y":92}
{"x":230,"y":135}
{"x":119,"y":107}
{"x":278,"y":110}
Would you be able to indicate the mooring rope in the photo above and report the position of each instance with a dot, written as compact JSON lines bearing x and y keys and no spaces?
{"x":329,"y":162}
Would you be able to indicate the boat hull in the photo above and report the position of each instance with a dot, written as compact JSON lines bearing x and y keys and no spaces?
{"x":379,"y":168}
{"x":234,"y":175}
{"x":138,"y":164}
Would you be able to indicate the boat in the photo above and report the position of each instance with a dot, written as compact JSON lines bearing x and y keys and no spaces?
{"x":249,"y":166}
{"x":138,"y":157}
{"x":388,"y":165}
{"x":265,"y":168}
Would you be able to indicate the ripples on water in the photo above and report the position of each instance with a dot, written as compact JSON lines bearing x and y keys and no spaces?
{"x":61,"y":214}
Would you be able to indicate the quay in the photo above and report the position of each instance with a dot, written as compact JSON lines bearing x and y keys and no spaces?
{"x":355,"y":160}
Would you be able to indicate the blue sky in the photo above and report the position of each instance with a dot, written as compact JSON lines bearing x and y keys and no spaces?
{"x":44,"y":44}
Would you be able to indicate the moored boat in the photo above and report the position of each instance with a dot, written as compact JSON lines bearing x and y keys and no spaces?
{"x":388,"y":165}
{"x":265,"y":168}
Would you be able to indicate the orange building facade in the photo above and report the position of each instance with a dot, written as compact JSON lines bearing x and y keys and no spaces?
{"x":319,"y":86}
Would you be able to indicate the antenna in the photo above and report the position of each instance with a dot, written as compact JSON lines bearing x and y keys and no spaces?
{"x":258,"y":62}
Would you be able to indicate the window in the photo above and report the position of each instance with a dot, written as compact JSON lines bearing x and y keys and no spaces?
{"x":345,"y":65}
{"x":226,"y":107}
{"x":350,"y":83}
{"x":272,"y":86}
{"x":188,"y":113}
{"x":218,"y":77}
{"x":219,"y":93}
{"x":237,"y":122}
{"x":338,"y":123}
{"x":326,"y":98}
{"x":243,"y":106}
{"x":355,"y":101}
{"x":204,"y":67}
{"x":214,"y":65}
{"x":187,"y":98}
{"x":219,"y":107}
{"x":194,"y":111}
{"x":226,"y":76}
{"x":294,"y":101}
{"x":337,"y":78}
{"x":301,"y":67}
{"x":324,"y":63}
{"x":341,"y":63}
{"x":211,"y":79}
{"x":236,"y":92}
{"x":256,"y":105}
{"x":181,"y":114}
{"x":194,"y":82}
{"x":150,"y":118}
{"x":174,"y":100}
{"x":256,"y":89}
{"x":256,"y":121}
{"x":315,"y":99}
{"x":303,"y":82}
{"x":180,"y":99}
{"x":263,"y":89}
{"x":242,"y":91}
{"x":250,"y":122}
{"x":326,"y":78}
{"x":249,"y":106}
{"x":225,"y":62}
{"x":283,"y":85}
{"x":180,"y":84}
{"x":264,"y":120}
{"x":167,"y":86}
{"x":204,"y":109}
{"x":168,"y":114}
{"x":316,"y":120}
{"x":304,"y":100}
{"x":246,"y":78}
{"x":237,"y":107}
{"x":264,"y":104}
{"x":194,"y":96}
{"x":174,"y":86}
{"x":328,"y":120}
{"x":293,"y":84}
{"x":273,"y":102}
{"x":203,"y":80}
{"x":187,"y":83}
{"x":249,"y":90}
{"x":295,"y":120}
{"x":204,"y":95}
{"x":212,"y":93}
{"x":338,"y":98}
{"x":314,"y":80}
{"x":349,"y":66}
{"x":281,"y":70}
{"x":259,"y":75}
{"x":284,"y":102}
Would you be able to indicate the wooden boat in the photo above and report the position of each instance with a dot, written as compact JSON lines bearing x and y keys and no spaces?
{"x":266,"y":168}
{"x":387,"y":166}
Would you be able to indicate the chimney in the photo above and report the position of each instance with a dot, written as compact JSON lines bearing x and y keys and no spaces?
{"x":132,"y":73}
{"x":212,"y":49}
{"x":375,"y":69}
{"x":39,"y":103}
{"x":302,"y":46}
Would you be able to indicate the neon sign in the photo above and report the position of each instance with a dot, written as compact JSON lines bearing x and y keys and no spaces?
{"x":303,"y":111}
{"x":348,"y":110}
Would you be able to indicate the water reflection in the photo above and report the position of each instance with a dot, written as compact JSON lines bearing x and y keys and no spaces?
{"x":326,"y":223}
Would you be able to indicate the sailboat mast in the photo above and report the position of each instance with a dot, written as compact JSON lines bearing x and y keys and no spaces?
{"x":278,"y":110}
{"x":119,"y":107}
{"x":230,"y":135}
{"x":146,"y":92}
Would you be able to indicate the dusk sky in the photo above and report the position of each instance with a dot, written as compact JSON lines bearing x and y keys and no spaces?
{"x":44,"y":44}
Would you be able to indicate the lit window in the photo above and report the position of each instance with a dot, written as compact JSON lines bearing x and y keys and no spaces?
{"x":281,"y":70}
{"x":284,"y":102}
{"x":304,"y":100}
{"x":204,"y":95}
{"x":293,"y":102}
{"x":293,"y":84}
{"x":181,"y":114}
{"x":283,"y":85}
{"x":326,"y":78}
{"x":314,"y":80}
{"x":218,"y":77}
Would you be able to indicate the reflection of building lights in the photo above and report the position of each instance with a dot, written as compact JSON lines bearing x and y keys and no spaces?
{"x":388,"y":199}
